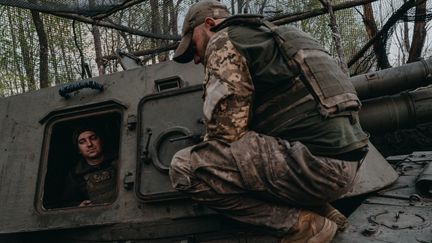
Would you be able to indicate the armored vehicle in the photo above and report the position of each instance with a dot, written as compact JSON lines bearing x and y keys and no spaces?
{"x":148,"y":113}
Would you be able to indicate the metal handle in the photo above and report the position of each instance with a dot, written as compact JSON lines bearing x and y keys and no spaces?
{"x":66,"y":89}
{"x":195,"y":137}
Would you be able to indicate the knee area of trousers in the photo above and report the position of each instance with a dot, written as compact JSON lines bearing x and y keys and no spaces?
{"x":181,"y":164}
{"x":181,"y":161}
{"x":180,"y":171}
{"x":179,"y":180}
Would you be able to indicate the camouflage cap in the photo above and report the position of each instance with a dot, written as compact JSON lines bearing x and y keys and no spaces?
{"x":196,"y":15}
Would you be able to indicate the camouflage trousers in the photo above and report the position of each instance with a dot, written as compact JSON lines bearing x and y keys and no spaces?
{"x":259,"y":179}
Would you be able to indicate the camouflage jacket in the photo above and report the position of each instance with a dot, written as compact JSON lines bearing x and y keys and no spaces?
{"x":247,"y":81}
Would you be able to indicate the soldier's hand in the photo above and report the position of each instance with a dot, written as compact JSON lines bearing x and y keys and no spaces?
{"x":86,"y":203}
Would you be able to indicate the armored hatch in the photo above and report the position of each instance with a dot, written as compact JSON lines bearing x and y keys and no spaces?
{"x":36,"y":149}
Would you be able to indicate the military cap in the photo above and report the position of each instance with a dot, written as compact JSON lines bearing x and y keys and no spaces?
{"x":195,"y":16}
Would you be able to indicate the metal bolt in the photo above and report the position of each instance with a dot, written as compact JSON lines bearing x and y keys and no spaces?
{"x":415,"y":198}
{"x":369,"y":231}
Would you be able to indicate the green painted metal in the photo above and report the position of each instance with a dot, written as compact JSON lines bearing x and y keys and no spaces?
{"x":153,"y":111}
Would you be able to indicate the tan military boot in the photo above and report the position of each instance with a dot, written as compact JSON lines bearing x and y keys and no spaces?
{"x":333,"y":214}
{"x":311,"y":228}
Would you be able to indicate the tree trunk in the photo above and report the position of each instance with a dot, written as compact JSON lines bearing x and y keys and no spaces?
{"x":98,"y":45}
{"x":66,"y":58}
{"x":173,"y":16}
{"x":16,"y":57}
{"x":419,"y":34}
{"x":126,"y":40}
{"x":386,"y":27}
{"x":106,"y":45}
{"x":405,"y":37}
{"x":43,"y":49}
{"x":246,"y":7}
{"x":369,"y":20}
{"x":336,"y":35}
{"x":98,"y":50}
{"x":113,"y":43}
{"x":27,"y":57}
{"x":165,"y":28}
{"x":78,"y":45}
{"x":52,"y":50}
{"x":372,"y":30}
{"x":233,"y":7}
{"x":240,"y":4}
{"x":54,"y":63}
{"x":155,"y":22}
{"x":261,"y":9}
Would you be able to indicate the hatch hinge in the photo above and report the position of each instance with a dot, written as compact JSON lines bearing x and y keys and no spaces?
{"x":128,"y":181}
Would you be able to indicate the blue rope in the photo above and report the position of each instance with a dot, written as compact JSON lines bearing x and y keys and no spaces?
{"x":66,"y":89}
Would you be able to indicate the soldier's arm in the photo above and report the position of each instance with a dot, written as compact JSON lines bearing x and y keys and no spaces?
{"x":228,"y":90}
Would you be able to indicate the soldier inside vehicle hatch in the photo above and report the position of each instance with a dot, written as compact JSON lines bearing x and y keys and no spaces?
{"x":282,"y":133}
{"x":93,"y":180}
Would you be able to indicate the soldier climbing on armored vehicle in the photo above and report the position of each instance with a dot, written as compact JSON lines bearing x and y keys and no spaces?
{"x":282,"y":133}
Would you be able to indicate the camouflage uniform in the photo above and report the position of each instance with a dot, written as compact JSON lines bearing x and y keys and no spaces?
{"x":251,"y":177}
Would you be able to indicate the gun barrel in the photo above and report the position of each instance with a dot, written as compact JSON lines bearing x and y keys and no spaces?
{"x":390,"y":113}
{"x":393,"y":80}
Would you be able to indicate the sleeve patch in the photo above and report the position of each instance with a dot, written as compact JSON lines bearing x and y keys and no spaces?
{"x":215,"y":92}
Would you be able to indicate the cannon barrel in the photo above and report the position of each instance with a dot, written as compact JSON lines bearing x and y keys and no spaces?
{"x":390,"y":113}
{"x":393,"y":80}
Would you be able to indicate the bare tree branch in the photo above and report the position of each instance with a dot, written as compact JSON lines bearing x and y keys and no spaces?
{"x":110,"y":24}
{"x":372,"y":30}
{"x":336,"y":35}
{"x":169,"y":47}
{"x":43,"y":49}
{"x":81,"y":54}
{"x":261,"y":9}
{"x":406,"y":36}
{"x":402,"y":50}
{"x":419,"y":34}
{"x":389,"y":24}
{"x":288,"y":18}
{"x":125,"y":4}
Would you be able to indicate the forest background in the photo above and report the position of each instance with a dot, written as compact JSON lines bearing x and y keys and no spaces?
{"x":41,"y":47}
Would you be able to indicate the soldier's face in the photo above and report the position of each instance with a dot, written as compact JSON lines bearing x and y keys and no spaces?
{"x":201,"y":36}
{"x":89,"y":145}
{"x":200,"y":39}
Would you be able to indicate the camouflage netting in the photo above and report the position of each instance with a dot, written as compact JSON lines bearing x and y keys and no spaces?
{"x":82,"y":7}
{"x":96,"y":7}
{"x":156,"y":24}
{"x":161,"y":19}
